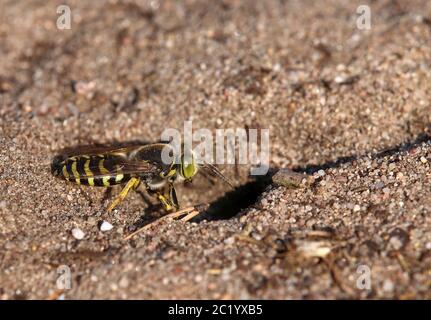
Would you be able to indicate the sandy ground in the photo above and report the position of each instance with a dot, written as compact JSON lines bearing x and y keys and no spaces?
{"x":349,"y":107}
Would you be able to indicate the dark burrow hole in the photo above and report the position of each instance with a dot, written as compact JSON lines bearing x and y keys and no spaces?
{"x":225,"y":207}
{"x":238,"y":199}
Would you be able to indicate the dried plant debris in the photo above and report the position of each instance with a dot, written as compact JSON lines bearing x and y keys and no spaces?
{"x":291,"y":179}
{"x":305,"y":243}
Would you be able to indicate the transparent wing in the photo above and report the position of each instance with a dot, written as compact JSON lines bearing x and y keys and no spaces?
{"x":99,"y":167}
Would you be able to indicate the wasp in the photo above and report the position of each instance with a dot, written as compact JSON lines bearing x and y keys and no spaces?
{"x":133,"y":166}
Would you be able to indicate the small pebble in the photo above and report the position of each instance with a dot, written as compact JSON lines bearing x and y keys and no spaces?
{"x":388,"y":286}
{"x":124,"y":282}
{"x":379,"y":185}
{"x":424,"y":160}
{"x":396,"y":243}
{"x":229,"y":240}
{"x":105,"y":226}
{"x":84,"y":88}
{"x":398,"y":238}
{"x":92,"y":221}
{"x":321,"y":173}
{"x":78,"y":233}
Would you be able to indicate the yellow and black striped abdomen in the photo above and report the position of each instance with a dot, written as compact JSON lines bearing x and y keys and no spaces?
{"x":93,"y":170}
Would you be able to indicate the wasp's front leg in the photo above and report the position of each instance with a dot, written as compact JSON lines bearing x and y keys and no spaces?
{"x":171,"y":202}
{"x":169,"y":199}
{"x":132,"y":183}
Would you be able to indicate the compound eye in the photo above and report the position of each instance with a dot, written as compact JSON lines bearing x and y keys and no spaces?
{"x":189,"y":171}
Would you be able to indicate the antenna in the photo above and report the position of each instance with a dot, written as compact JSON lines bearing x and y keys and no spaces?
{"x":213,"y":169}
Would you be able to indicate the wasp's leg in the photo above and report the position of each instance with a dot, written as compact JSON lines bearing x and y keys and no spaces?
{"x":132,"y":183}
{"x":168,"y":199}
{"x":165,"y":201}
{"x":173,"y":196}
